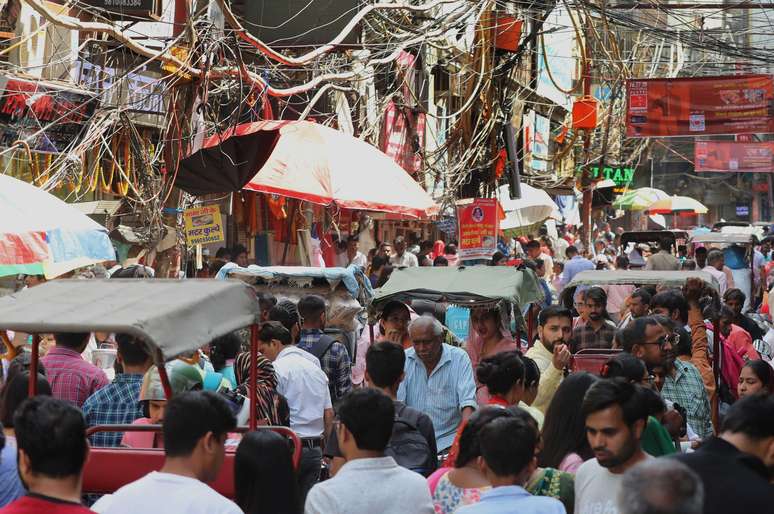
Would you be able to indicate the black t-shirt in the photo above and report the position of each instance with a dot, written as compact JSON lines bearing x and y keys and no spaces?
{"x":733,"y":481}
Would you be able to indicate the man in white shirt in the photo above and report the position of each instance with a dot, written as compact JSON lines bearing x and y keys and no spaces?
{"x":715,"y":264}
{"x":195,"y":428}
{"x":305,"y":387}
{"x":402,"y":258}
{"x":616,"y":415}
{"x":354,"y":256}
{"x":369,"y":481}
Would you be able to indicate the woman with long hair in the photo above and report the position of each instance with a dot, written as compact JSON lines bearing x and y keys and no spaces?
{"x":757,"y":377}
{"x":488,"y":335}
{"x":565,"y":446}
{"x":264,"y":479}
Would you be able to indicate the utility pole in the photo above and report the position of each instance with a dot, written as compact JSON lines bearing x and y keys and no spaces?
{"x":586,"y":174}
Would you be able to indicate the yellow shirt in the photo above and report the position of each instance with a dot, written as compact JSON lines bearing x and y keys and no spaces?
{"x":550,"y":377}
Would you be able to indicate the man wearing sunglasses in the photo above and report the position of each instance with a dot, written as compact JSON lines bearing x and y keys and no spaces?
{"x":653,"y":339}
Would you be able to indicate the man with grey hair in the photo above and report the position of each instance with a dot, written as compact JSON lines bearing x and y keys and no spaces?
{"x":661,"y":486}
{"x":438,"y":379}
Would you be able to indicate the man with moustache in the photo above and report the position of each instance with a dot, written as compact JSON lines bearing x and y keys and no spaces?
{"x":599,"y":331}
{"x":616,"y":414}
{"x":550,"y":352}
{"x":438,"y":380}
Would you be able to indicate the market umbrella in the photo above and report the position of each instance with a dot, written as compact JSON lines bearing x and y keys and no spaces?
{"x":42,"y":235}
{"x":684,"y":205}
{"x":532,"y":209}
{"x":307,"y":161}
{"x":639,"y":199}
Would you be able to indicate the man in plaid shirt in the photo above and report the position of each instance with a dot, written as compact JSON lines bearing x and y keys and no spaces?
{"x":599,"y":331}
{"x":334,"y":358}
{"x":72,"y":379}
{"x":119,"y":402}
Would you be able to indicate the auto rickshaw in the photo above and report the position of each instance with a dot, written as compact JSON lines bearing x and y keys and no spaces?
{"x":469,"y":287}
{"x":171,"y":317}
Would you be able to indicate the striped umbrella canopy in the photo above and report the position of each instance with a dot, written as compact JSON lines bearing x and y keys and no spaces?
{"x":42,"y":235}
{"x":684,"y":205}
{"x":639,"y":199}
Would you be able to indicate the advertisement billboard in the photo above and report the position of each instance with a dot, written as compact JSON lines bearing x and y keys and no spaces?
{"x":479,"y":224}
{"x":732,"y":156}
{"x":699,"y":106}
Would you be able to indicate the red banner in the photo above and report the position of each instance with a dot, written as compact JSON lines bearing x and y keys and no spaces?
{"x":479,"y":224}
{"x":730,"y":156}
{"x":698,"y":106}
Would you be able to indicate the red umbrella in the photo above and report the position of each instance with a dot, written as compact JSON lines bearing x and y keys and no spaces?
{"x":306,"y":161}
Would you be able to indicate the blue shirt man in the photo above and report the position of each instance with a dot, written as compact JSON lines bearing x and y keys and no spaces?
{"x":574,"y":265}
{"x":438,"y":380}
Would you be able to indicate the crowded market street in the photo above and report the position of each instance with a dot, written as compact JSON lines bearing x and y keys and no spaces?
{"x":400,"y":257}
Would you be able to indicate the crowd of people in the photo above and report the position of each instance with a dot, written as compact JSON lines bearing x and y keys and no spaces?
{"x":415,"y":420}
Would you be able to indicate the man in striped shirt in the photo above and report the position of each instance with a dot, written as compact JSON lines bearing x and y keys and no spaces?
{"x":438,"y":379}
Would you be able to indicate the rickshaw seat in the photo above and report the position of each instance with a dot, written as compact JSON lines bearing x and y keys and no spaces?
{"x":592,"y":359}
{"x":109,"y":469}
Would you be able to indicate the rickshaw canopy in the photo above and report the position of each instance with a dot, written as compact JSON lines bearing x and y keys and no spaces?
{"x":469,"y":286}
{"x":173,"y":316}
{"x":640,"y":277}
{"x":653,"y":236}
{"x":724,"y":238}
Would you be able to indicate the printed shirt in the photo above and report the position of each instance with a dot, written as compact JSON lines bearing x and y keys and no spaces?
{"x":686,"y":388}
{"x":115,"y":404}
{"x":443,"y":393}
{"x":585,"y":336}
{"x":72,"y":378}
{"x":335,"y":363}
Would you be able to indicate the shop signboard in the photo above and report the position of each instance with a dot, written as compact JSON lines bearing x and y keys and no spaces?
{"x":623,"y":177}
{"x":479,"y":224}
{"x":203,"y":225}
{"x":698,"y":106}
{"x":733,"y":156}
{"x":48,"y":117}
{"x":134,"y":8}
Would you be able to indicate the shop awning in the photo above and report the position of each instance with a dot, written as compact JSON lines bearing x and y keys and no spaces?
{"x":306,"y":161}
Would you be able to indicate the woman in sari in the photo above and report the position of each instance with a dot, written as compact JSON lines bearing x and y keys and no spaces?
{"x":488,"y":336}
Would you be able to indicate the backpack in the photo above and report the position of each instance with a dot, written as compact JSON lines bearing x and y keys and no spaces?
{"x":407,"y":445}
{"x":322,"y":346}
{"x":330,"y":336}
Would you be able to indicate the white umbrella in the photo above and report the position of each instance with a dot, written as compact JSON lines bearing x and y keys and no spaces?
{"x":534,"y":207}
{"x":42,"y":235}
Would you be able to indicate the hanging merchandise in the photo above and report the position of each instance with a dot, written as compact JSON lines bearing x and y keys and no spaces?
{"x":403,"y":136}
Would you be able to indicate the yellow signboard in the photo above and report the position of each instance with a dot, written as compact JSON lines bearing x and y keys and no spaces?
{"x":203,"y":225}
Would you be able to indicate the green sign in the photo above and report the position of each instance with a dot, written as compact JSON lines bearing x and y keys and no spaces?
{"x":621,"y":176}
